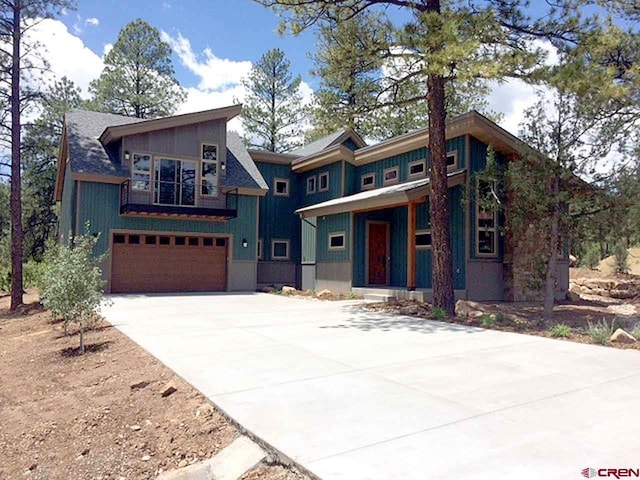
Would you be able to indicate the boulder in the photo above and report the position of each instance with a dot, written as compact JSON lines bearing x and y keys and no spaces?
{"x":573,"y":295}
{"x":467,"y":308}
{"x":573,"y":260}
{"x":620,"y":336}
{"x":169,"y":389}
{"x":287,"y":289}
{"x":324,"y":293}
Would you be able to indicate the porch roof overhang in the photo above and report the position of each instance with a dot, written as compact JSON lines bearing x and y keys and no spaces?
{"x":379,"y":198}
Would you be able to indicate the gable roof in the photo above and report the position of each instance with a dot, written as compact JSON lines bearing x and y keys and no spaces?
{"x":335,"y":138}
{"x":87,"y":154}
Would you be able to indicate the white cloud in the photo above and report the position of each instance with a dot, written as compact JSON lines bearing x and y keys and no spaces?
{"x":93,"y":21}
{"x":66,"y":54}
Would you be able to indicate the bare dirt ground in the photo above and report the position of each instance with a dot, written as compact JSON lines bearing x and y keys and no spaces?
{"x":100,"y":415}
{"x":526,"y":317}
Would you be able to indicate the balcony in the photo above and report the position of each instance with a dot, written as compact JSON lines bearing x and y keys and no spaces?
{"x":182,"y":200}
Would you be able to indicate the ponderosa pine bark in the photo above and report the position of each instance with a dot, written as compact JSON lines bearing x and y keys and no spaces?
{"x":16,"y":193}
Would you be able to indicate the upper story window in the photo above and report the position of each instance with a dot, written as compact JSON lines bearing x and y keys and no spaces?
{"x":368,"y":181}
{"x":486,"y":223}
{"x":209,"y":170}
{"x":337,"y":241}
{"x":323,"y":182}
{"x":141,"y":172}
{"x":417,"y":169}
{"x":280,"y":250}
{"x":390,"y":175}
{"x":281,"y":187}
{"x":311,"y":185}
{"x":452,"y":160}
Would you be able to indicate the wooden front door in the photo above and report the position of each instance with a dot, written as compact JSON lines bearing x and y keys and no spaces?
{"x":378,"y":251}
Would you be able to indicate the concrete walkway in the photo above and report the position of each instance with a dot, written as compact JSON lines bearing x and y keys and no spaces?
{"x":356,"y":395}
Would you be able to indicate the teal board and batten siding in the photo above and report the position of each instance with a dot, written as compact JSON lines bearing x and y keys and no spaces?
{"x":402,"y":161}
{"x":99,"y":205}
{"x":335,"y":185}
{"x":340,"y":223}
{"x":309,"y":227}
{"x":397,"y":218}
{"x":277,"y":220}
{"x":68,"y":205}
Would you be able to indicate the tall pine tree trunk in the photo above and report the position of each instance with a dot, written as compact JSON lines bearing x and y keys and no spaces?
{"x":15,"y":202}
{"x":554,"y":238}
{"x":442,"y":279}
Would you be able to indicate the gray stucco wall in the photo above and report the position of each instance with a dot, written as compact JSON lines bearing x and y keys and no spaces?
{"x":277,"y":273}
{"x":335,"y":276}
{"x":485,"y":280}
{"x":242,"y":276}
{"x":308,"y":277}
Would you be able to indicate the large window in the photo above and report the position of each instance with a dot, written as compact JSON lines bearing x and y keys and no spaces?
{"x":209,"y":173}
{"x":486,"y":222}
{"x":141,"y":172}
{"x":280,"y":250}
{"x":175,"y":182}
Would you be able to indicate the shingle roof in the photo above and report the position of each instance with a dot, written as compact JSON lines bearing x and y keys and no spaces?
{"x":88,"y":155}
{"x":318,"y":145}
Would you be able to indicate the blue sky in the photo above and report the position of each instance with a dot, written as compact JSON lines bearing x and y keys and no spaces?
{"x":237,"y":30}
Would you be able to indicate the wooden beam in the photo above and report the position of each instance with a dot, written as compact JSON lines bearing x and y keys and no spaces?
{"x":411,"y":246}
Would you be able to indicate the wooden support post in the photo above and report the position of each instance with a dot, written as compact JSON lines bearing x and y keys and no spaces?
{"x":411,"y":246}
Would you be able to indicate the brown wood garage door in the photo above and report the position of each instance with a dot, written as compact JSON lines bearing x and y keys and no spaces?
{"x":168,"y":263}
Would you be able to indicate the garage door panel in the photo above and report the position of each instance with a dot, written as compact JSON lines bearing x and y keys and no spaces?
{"x":157,"y":268}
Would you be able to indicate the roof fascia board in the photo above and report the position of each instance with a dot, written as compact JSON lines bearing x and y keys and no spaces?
{"x":325,"y":157}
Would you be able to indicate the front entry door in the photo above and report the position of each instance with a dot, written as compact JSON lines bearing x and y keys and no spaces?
{"x":378,"y":251}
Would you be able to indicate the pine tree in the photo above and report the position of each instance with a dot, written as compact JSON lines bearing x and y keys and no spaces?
{"x":273,"y":111}
{"x":138,"y":78}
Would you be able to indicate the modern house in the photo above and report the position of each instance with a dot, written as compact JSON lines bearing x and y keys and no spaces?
{"x":181,"y":205}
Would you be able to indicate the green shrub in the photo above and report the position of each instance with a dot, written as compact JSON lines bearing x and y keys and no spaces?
{"x":487,"y":320}
{"x":71,"y":284}
{"x":591,"y":258}
{"x":438,"y":313}
{"x":31,"y":272}
{"x":560,"y":331}
{"x":601,"y":332}
{"x":636,"y":331}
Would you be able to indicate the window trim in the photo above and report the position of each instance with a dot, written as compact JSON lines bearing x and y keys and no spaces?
{"x":260,"y":249}
{"x":373,"y":183}
{"x":141,"y":172}
{"x":325,"y":189}
{"x":331,"y":235}
{"x":422,"y":162}
{"x":315,"y":185}
{"x":453,"y":153}
{"x":218,"y":169}
{"x":393,"y":181}
{"x":494,"y":229}
{"x":273,"y":248}
{"x":275,"y":187}
{"x":423,"y":231}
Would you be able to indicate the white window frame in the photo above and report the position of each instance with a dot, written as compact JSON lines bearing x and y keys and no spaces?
{"x":454,"y":154}
{"x":273,"y":249}
{"x":260,"y":247}
{"x":371,"y":175}
{"x":393,"y":181}
{"x":335,"y":235}
{"x":275,"y":187}
{"x":141,"y":172}
{"x":325,"y":175}
{"x":493,"y":229}
{"x":422,"y":162}
{"x":424,"y":231}
{"x":314,"y":179}
{"x":218,"y":163}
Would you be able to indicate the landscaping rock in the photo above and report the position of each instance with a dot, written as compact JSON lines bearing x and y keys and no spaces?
{"x":467,"y":308}
{"x":169,"y":389}
{"x":135,"y":428}
{"x":324,"y":293}
{"x":621,"y":336}
{"x":288,"y":289}
{"x":573,"y":296}
{"x":139,"y":384}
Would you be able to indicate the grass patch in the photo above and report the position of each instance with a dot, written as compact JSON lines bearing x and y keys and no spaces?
{"x":487,"y":320}
{"x":438,"y":313}
{"x":560,"y":331}
{"x":601,"y":332}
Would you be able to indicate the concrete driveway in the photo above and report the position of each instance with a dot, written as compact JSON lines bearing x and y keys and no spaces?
{"x":356,"y":395}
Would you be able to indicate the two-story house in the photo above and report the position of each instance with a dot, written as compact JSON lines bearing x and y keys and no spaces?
{"x":181,"y":205}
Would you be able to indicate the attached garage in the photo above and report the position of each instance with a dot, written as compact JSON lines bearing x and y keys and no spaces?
{"x":161,"y":263}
